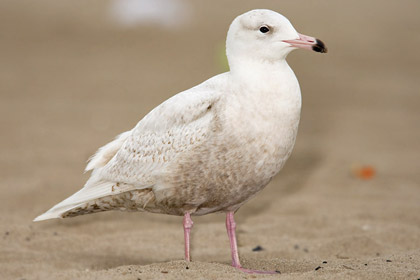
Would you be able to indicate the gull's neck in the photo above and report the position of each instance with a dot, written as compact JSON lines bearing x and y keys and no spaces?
{"x":264,"y":75}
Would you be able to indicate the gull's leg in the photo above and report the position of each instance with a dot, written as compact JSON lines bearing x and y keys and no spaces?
{"x":231,"y":227}
{"x":188,"y":224}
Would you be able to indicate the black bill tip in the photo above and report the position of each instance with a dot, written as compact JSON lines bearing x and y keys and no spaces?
{"x":320,"y":47}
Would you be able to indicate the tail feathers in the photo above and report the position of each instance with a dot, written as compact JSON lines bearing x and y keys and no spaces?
{"x":107,"y":152}
{"x":86,"y":194}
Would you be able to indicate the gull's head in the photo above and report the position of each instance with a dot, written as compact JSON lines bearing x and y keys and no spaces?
{"x":266,"y":35}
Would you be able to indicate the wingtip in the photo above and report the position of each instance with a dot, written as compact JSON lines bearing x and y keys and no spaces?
{"x":37,"y":219}
{"x":45,"y":216}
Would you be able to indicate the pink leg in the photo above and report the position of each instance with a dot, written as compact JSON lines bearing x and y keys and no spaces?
{"x":188,"y":224}
{"x":231,"y":227}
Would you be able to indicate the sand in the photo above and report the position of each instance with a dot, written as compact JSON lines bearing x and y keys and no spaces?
{"x":70,"y":80}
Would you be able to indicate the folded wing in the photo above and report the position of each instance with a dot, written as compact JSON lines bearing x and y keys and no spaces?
{"x":135,"y":158}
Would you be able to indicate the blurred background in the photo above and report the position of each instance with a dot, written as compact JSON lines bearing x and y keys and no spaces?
{"x":74,"y":74}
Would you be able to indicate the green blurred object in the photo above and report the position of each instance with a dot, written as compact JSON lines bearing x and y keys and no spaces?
{"x":221,"y":59}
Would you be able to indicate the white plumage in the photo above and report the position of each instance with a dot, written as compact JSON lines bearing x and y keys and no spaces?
{"x":209,"y":148}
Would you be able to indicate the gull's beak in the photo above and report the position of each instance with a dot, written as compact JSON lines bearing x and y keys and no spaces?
{"x":308,"y":43}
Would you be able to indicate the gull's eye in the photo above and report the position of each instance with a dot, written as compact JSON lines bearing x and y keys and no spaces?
{"x":264,"y":29}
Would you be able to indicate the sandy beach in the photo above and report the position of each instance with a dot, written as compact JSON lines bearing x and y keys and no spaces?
{"x":346,"y":205}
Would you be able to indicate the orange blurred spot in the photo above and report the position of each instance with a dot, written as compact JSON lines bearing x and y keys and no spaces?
{"x":365,"y":172}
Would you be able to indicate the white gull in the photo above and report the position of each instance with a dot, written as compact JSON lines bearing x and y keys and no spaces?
{"x":210,"y":148}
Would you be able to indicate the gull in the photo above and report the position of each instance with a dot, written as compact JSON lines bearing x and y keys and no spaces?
{"x":210,"y":148}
